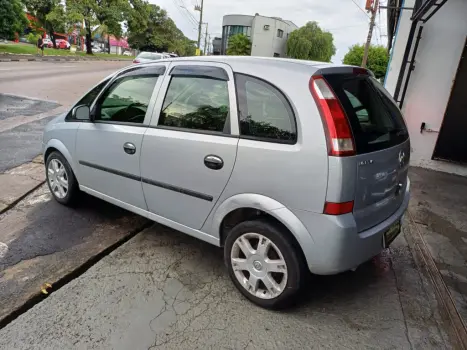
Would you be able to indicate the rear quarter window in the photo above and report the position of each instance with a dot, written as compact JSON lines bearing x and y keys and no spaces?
{"x":265,"y":113}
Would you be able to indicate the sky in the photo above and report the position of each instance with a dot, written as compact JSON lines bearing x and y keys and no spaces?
{"x":343,"y":18}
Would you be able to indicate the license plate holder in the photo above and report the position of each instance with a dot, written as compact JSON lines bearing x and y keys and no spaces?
{"x":390,"y":235}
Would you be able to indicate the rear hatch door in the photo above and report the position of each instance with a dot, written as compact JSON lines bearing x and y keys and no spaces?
{"x":382,"y":146}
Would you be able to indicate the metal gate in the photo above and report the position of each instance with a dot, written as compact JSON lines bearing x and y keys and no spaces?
{"x":452,"y":140}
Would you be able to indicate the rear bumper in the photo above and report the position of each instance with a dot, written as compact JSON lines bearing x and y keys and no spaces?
{"x":338,"y":246}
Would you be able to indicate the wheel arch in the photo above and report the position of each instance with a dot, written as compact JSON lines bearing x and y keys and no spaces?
{"x":57,"y":145}
{"x":246,"y":205}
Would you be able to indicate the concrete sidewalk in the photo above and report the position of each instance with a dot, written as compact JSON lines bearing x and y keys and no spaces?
{"x":439,"y":210}
{"x":166,"y":290}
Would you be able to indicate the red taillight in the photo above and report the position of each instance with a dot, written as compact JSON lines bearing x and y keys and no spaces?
{"x":340,"y":137}
{"x":338,"y":208}
{"x":135,"y":61}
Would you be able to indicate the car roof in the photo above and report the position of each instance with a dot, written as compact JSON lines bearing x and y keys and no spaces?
{"x":270,"y":62}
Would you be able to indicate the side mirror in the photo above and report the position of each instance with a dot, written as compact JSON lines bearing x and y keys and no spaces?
{"x":81,"y":113}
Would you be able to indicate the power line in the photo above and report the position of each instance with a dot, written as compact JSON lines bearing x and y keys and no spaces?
{"x":366,"y":14}
{"x":189,"y":13}
{"x":184,"y":14}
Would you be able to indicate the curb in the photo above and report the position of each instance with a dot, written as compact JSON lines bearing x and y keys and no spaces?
{"x":70,"y":276}
{"x":458,"y":330}
{"x":12,"y":204}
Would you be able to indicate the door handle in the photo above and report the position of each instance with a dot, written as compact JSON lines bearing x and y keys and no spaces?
{"x":129,"y":148}
{"x":213,"y":162}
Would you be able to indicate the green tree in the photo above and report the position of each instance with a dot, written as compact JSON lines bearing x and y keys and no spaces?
{"x":310,"y":42}
{"x":12,"y":18}
{"x":150,"y":29}
{"x":49,"y":13}
{"x":98,"y":12}
{"x":239,"y":45}
{"x":378,"y":58}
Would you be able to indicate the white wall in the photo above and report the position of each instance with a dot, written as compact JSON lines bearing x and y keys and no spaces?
{"x":265,"y":42}
{"x":430,"y":84}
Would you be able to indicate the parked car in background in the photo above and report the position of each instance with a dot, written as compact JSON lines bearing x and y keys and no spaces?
{"x":287,"y":165}
{"x":148,"y":57}
{"x":96,"y":49}
{"x":47,"y":42}
{"x":62,"y":44}
{"x":127,"y":53}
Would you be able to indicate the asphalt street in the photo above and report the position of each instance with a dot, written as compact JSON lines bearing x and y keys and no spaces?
{"x":32,"y":93}
{"x":166,"y":290}
{"x":62,"y":82}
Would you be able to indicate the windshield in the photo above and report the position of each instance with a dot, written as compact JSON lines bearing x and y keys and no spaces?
{"x":376,"y":121}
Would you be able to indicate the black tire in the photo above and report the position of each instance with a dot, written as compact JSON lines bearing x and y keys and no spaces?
{"x":290,"y":251}
{"x":73,"y":187}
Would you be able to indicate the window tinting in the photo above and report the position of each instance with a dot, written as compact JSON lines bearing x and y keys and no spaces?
{"x":264,"y":111}
{"x":126,"y":100}
{"x":376,"y":121}
{"x":89,"y":98}
{"x":196,"y":103}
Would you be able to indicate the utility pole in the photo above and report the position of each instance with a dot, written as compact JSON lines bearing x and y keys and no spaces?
{"x":206,"y":41}
{"x":370,"y":32}
{"x":200,"y":9}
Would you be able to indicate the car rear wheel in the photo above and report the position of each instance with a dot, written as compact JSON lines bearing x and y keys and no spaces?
{"x":264,"y":263}
{"x":61,"y":180}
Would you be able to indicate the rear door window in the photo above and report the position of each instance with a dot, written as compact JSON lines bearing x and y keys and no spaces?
{"x":376,"y":121}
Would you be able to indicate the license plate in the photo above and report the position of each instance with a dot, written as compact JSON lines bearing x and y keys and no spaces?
{"x":391,"y":234}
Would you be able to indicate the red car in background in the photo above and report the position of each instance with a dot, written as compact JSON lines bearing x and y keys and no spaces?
{"x":61,"y":44}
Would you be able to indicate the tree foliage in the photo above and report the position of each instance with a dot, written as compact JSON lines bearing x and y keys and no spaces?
{"x":12,"y":18}
{"x":49,"y":14}
{"x":150,"y":29}
{"x":108,"y":13}
{"x":239,"y":45}
{"x":310,"y":42}
{"x":148,"y":26}
{"x":378,"y":58}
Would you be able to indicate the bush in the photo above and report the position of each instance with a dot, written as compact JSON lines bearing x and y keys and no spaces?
{"x":32,"y":38}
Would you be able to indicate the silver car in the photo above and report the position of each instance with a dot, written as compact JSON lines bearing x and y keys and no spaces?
{"x":288,"y":165}
{"x":144,"y":57}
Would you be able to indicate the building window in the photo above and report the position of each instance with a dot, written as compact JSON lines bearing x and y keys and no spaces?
{"x":228,"y":31}
{"x":280,"y":33}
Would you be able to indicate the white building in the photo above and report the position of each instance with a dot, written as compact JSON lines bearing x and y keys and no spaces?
{"x":427,"y":75}
{"x":268,"y":35}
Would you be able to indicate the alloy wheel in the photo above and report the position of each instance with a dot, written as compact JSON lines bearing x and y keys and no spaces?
{"x":259,"y":265}
{"x":58,"y":178}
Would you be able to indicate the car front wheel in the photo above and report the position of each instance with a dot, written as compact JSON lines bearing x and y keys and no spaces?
{"x":264,"y":263}
{"x":61,"y":180}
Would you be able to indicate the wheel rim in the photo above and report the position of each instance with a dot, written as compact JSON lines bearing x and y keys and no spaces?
{"x":259,"y":265}
{"x":58,"y":178}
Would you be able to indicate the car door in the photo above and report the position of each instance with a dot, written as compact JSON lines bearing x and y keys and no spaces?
{"x":108,"y":148}
{"x":189,"y":151}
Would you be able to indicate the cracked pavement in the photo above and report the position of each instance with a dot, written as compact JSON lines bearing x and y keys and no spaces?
{"x":166,"y":290}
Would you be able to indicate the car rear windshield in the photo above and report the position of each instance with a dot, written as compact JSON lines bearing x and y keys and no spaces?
{"x":376,"y":121}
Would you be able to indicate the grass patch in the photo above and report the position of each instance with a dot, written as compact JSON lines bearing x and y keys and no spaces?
{"x":22,"y":49}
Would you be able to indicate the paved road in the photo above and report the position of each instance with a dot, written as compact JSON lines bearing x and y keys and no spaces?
{"x":165,"y":290}
{"x":46,"y":89}
{"x":63,"y":82}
